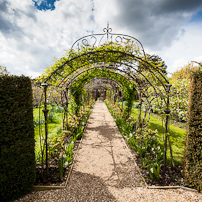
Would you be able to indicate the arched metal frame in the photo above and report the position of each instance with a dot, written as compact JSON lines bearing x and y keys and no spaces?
{"x":127,"y":64}
{"x":128,"y":67}
{"x":101,"y":81}
{"x":141,"y":93}
{"x":92,"y":41}
{"x":127,"y":76}
{"x":66,"y":85}
{"x":146,"y":84}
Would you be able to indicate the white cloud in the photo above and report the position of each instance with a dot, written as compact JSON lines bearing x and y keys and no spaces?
{"x":30,"y":38}
{"x":39,"y":2}
{"x":185,"y":49}
{"x":31,"y":43}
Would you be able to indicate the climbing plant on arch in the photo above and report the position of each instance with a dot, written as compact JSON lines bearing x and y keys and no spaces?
{"x":102,"y":77}
{"x":113,"y":53}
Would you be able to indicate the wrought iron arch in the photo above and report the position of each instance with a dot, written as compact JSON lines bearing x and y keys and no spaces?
{"x":102,"y":80}
{"x":86,"y":49}
{"x":122,"y":54}
{"x":127,"y":75}
{"x":94,"y":41}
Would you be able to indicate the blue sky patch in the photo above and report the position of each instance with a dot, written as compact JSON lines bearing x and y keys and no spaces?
{"x":197,"y":17}
{"x":45,"y":4}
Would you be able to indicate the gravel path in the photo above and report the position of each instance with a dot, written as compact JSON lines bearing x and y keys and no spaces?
{"x":105,"y":169}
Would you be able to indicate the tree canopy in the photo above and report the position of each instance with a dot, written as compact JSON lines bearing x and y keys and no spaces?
{"x":3,"y":70}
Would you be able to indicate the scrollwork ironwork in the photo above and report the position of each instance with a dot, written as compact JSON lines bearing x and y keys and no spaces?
{"x":85,"y":42}
{"x":97,"y":40}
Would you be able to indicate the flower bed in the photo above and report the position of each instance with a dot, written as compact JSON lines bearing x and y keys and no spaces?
{"x":61,"y":148}
{"x":145,"y":143}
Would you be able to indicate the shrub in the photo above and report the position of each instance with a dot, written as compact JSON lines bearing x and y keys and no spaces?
{"x":193,"y":155}
{"x":17,"y":159}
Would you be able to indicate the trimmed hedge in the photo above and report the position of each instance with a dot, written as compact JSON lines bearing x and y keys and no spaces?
{"x":193,"y":149}
{"x":17,"y":157}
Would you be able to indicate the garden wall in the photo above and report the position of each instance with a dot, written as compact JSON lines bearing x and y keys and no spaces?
{"x":17,"y":158}
{"x":193,"y":149}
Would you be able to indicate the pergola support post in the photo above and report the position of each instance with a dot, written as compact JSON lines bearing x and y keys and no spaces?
{"x":122,"y":99}
{"x":88,"y":97}
{"x":45,"y":111}
{"x":167,"y":112}
{"x":66,"y":107}
{"x":114,"y":92}
{"x":140,"y":107}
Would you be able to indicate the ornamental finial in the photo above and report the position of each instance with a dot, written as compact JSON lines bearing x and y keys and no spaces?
{"x":107,"y":30}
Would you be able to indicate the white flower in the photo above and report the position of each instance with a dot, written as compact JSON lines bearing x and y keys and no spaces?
{"x":158,"y":147}
{"x":152,"y":170}
{"x":65,"y":164}
{"x":72,"y":142}
{"x":131,"y":135}
{"x":64,"y":156}
{"x":152,"y":149}
{"x":143,"y":147}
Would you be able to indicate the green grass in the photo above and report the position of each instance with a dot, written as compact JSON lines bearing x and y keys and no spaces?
{"x":53,"y":127}
{"x":177,"y":137}
{"x":181,"y":125}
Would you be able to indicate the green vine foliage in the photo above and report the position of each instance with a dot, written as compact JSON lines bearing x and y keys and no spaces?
{"x":126,"y":86}
{"x":88,"y":62}
{"x":77,"y":87}
{"x":77,"y":101}
{"x":88,"y":56}
{"x":130,"y":97}
{"x":107,"y":60}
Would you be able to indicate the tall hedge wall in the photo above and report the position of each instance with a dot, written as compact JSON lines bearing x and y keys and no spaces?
{"x":17,"y":158}
{"x":193,"y":149}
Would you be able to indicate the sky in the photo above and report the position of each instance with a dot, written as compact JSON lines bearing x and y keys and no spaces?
{"x":35,"y":32}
